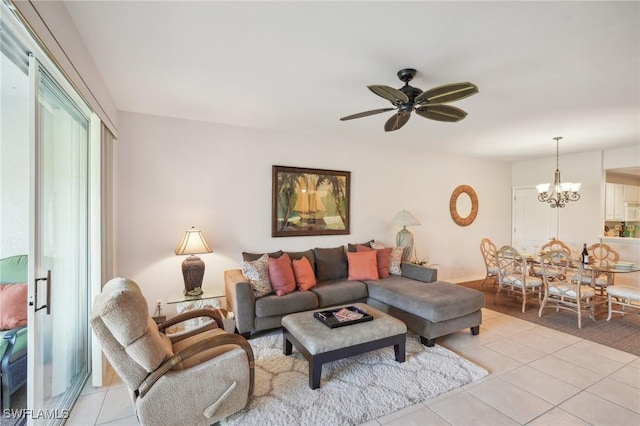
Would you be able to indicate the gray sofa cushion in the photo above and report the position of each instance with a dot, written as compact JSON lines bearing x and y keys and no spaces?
{"x":331,"y":263}
{"x":339,"y":291}
{"x":250,"y":257}
{"x":281,"y":305}
{"x":443,"y":301}
{"x":354,"y":247}
{"x":296,"y":255}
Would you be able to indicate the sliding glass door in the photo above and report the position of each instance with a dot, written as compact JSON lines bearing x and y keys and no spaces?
{"x":50,"y":210}
{"x":60,"y":348}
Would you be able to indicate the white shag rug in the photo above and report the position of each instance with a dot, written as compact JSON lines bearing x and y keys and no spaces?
{"x":353,"y":390}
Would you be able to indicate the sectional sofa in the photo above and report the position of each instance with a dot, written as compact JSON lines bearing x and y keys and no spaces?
{"x":430,"y":308}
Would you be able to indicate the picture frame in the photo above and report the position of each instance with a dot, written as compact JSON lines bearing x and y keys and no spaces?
{"x":310,"y":202}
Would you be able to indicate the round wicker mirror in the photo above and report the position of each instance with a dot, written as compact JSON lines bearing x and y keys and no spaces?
{"x":453,"y":205}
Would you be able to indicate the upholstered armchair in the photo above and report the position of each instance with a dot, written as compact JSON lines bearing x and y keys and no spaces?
{"x":197,"y":377}
{"x":13,"y":326}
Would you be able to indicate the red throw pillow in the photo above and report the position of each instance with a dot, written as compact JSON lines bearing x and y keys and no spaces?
{"x":383,"y":257}
{"x":281,"y":275}
{"x":362,"y":265}
{"x":305,"y":279}
{"x":13,"y":305}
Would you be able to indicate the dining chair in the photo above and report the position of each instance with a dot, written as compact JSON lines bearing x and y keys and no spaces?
{"x":514,"y":278}
{"x":551,"y":245}
{"x":489,"y":250}
{"x":566,"y":291}
{"x":601,"y":255}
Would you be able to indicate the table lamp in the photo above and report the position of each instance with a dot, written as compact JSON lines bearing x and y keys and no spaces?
{"x":404,"y":238}
{"x":193,"y":267}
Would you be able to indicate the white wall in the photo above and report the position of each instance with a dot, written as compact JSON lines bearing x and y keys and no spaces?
{"x":53,"y":25}
{"x":582,"y":221}
{"x":172,"y":174}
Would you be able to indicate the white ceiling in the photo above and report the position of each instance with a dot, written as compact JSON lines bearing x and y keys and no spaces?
{"x":543,"y":69}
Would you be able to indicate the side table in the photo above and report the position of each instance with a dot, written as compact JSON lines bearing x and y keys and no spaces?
{"x":208,"y":299}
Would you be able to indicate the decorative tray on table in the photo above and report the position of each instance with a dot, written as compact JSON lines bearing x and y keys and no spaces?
{"x":340,"y":317}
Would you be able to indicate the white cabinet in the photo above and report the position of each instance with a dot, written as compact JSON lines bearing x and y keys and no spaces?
{"x":616,"y":194}
{"x":614,"y":203}
{"x":630,"y":193}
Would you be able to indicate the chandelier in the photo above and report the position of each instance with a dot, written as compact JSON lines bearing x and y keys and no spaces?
{"x":560,"y":192}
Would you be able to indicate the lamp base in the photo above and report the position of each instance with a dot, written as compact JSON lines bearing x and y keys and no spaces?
{"x":193,"y":273}
{"x":404,"y":238}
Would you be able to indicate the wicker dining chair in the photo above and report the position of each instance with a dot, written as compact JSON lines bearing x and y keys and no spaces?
{"x":547,"y":247}
{"x":489,"y":250}
{"x":514,"y":278}
{"x":602,"y":255}
{"x":568,"y":292}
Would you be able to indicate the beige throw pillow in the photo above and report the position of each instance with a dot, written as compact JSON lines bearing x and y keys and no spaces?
{"x":257,"y":272}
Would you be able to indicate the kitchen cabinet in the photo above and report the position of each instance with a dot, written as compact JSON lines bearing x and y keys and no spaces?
{"x":630,"y":193}
{"x":616,"y":194}
{"x":614,"y":202}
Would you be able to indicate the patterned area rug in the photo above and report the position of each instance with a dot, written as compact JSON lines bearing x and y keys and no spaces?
{"x":354,"y":390}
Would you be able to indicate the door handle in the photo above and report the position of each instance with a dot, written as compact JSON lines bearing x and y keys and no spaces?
{"x":48,"y":304}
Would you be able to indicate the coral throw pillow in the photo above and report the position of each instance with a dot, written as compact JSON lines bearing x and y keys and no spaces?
{"x":383,"y":258}
{"x":305,"y":279}
{"x":362,"y":265}
{"x":283,"y":281}
{"x":13,"y":305}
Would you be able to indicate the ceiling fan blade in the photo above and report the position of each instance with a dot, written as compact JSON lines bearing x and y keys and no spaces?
{"x":396,"y":121}
{"x":366,"y":113}
{"x":447,"y":93}
{"x":446,"y":113}
{"x":389,"y":93}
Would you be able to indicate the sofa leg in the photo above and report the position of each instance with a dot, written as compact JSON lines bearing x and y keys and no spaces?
{"x":246,"y":335}
{"x":427,"y":342}
{"x":475,"y":330}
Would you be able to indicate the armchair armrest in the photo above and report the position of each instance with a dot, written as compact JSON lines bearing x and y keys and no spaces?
{"x":196,"y":348}
{"x":12,"y":336}
{"x":213,"y":314}
{"x":240,"y":299}
{"x":419,"y":273}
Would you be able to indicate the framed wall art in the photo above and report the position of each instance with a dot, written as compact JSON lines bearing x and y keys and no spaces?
{"x":309,"y":202}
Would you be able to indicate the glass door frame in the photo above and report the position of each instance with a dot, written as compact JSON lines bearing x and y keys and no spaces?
{"x":34,"y":393}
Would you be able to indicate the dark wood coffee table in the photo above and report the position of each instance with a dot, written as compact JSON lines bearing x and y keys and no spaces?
{"x":320,"y":344}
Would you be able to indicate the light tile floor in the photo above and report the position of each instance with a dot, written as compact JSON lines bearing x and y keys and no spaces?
{"x":538,"y":376}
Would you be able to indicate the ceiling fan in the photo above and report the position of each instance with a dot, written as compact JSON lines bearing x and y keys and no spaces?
{"x":427,"y":104}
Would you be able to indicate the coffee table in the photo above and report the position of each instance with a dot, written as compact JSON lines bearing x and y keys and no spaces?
{"x":320,"y":344}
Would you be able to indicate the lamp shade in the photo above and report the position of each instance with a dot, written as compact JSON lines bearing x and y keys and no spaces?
{"x":193,"y":242}
{"x":404,"y":218}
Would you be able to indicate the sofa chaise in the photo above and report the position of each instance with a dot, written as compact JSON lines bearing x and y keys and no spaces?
{"x":429,"y":308}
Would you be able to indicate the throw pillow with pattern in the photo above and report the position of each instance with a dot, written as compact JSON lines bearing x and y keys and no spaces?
{"x":257,"y":272}
{"x":395,"y":260}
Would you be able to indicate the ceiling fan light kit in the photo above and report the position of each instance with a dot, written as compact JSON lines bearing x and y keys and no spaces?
{"x":428,"y":104}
